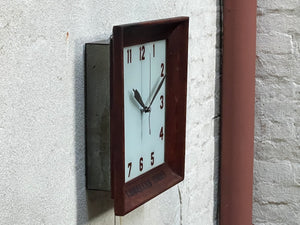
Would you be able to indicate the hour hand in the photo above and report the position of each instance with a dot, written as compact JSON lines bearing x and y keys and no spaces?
{"x":139,"y":99}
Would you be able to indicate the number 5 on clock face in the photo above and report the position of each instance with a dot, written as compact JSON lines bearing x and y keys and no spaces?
{"x":144,"y":107}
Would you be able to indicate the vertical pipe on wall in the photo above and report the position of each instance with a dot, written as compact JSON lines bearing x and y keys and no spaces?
{"x":237,"y":112}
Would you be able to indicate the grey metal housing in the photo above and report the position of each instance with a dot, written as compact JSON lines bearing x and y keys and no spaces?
{"x":97,"y":69}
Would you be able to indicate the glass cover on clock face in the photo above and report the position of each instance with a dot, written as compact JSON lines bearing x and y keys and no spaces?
{"x":144,"y":107}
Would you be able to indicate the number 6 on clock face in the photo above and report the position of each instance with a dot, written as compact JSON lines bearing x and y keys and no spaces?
{"x":144,"y":107}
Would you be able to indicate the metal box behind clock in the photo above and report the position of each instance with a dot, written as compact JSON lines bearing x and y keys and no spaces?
{"x":97,"y":114}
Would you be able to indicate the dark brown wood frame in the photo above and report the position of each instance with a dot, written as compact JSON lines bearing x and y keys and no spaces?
{"x":128,"y":196}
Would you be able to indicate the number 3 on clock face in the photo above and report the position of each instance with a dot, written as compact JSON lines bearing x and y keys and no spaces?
{"x":144,"y":107}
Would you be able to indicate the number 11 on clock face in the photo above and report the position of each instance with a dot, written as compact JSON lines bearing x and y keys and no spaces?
{"x":144,"y":107}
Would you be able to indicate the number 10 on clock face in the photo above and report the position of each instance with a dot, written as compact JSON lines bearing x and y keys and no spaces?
{"x":144,"y":107}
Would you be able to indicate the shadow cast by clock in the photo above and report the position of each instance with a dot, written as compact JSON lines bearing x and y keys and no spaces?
{"x":98,"y":202}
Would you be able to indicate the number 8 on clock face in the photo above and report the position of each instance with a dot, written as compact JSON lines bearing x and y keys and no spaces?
{"x":144,"y":107}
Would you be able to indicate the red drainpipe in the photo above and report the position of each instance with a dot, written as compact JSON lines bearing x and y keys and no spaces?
{"x":237,"y":112}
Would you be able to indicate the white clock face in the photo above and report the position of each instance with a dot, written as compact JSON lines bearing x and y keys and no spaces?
{"x":144,"y":107}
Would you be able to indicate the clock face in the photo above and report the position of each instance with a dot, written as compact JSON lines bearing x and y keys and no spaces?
{"x":144,"y":107}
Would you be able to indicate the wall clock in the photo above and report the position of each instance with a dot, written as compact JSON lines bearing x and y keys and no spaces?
{"x":135,"y":132}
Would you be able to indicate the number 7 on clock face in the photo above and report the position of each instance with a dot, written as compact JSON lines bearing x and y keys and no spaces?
{"x":144,"y":107}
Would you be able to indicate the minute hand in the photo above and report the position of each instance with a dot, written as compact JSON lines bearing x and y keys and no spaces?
{"x":157,"y":90}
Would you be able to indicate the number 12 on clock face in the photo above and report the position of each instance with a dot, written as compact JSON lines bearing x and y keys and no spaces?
{"x":144,"y":107}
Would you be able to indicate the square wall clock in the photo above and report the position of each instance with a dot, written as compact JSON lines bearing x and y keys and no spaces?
{"x":136,"y":85}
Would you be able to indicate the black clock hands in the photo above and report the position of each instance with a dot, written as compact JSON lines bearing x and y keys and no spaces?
{"x":139,"y":99}
{"x":149,"y":119}
{"x":156,"y":92}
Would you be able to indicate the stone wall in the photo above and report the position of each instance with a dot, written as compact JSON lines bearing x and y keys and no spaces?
{"x":277,"y":132}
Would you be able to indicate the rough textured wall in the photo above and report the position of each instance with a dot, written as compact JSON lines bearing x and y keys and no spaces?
{"x":277,"y":134}
{"x":42,"y":165}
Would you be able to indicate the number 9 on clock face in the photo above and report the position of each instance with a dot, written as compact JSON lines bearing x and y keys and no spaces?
{"x":144,"y":107}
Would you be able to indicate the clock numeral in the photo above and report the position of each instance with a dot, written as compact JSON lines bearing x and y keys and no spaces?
{"x":129,"y":56}
{"x":161,"y":102}
{"x":152,"y":158}
{"x":141,"y":163}
{"x":129,"y":167}
{"x":161,"y":133}
{"x":162,"y":69}
{"x":142,"y":52}
{"x":153,"y":50}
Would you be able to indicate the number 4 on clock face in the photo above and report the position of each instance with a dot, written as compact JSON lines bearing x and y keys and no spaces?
{"x":144,"y":107}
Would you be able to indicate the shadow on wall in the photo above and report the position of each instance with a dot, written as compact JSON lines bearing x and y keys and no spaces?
{"x":98,"y":202}
{"x":217,"y":117}
{"x":89,"y":204}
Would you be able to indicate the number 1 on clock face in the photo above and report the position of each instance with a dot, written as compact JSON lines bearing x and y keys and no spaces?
{"x":144,"y":107}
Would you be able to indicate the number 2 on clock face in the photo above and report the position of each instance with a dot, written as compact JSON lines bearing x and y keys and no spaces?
{"x":144,"y":107}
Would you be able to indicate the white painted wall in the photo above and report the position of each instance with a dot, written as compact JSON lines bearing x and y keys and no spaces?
{"x":277,"y":132}
{"x":42,"y":165}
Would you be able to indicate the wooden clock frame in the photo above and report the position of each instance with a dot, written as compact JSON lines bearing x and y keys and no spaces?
{"x":128,"y":196}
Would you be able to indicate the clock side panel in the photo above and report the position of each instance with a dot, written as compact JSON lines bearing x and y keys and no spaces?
{"x":117,"y":119}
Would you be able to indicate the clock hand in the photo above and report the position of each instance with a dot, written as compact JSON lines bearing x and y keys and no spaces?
{"x":149,"y":92}
{"x":139,"y":99}
{"x":156,"y":92}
